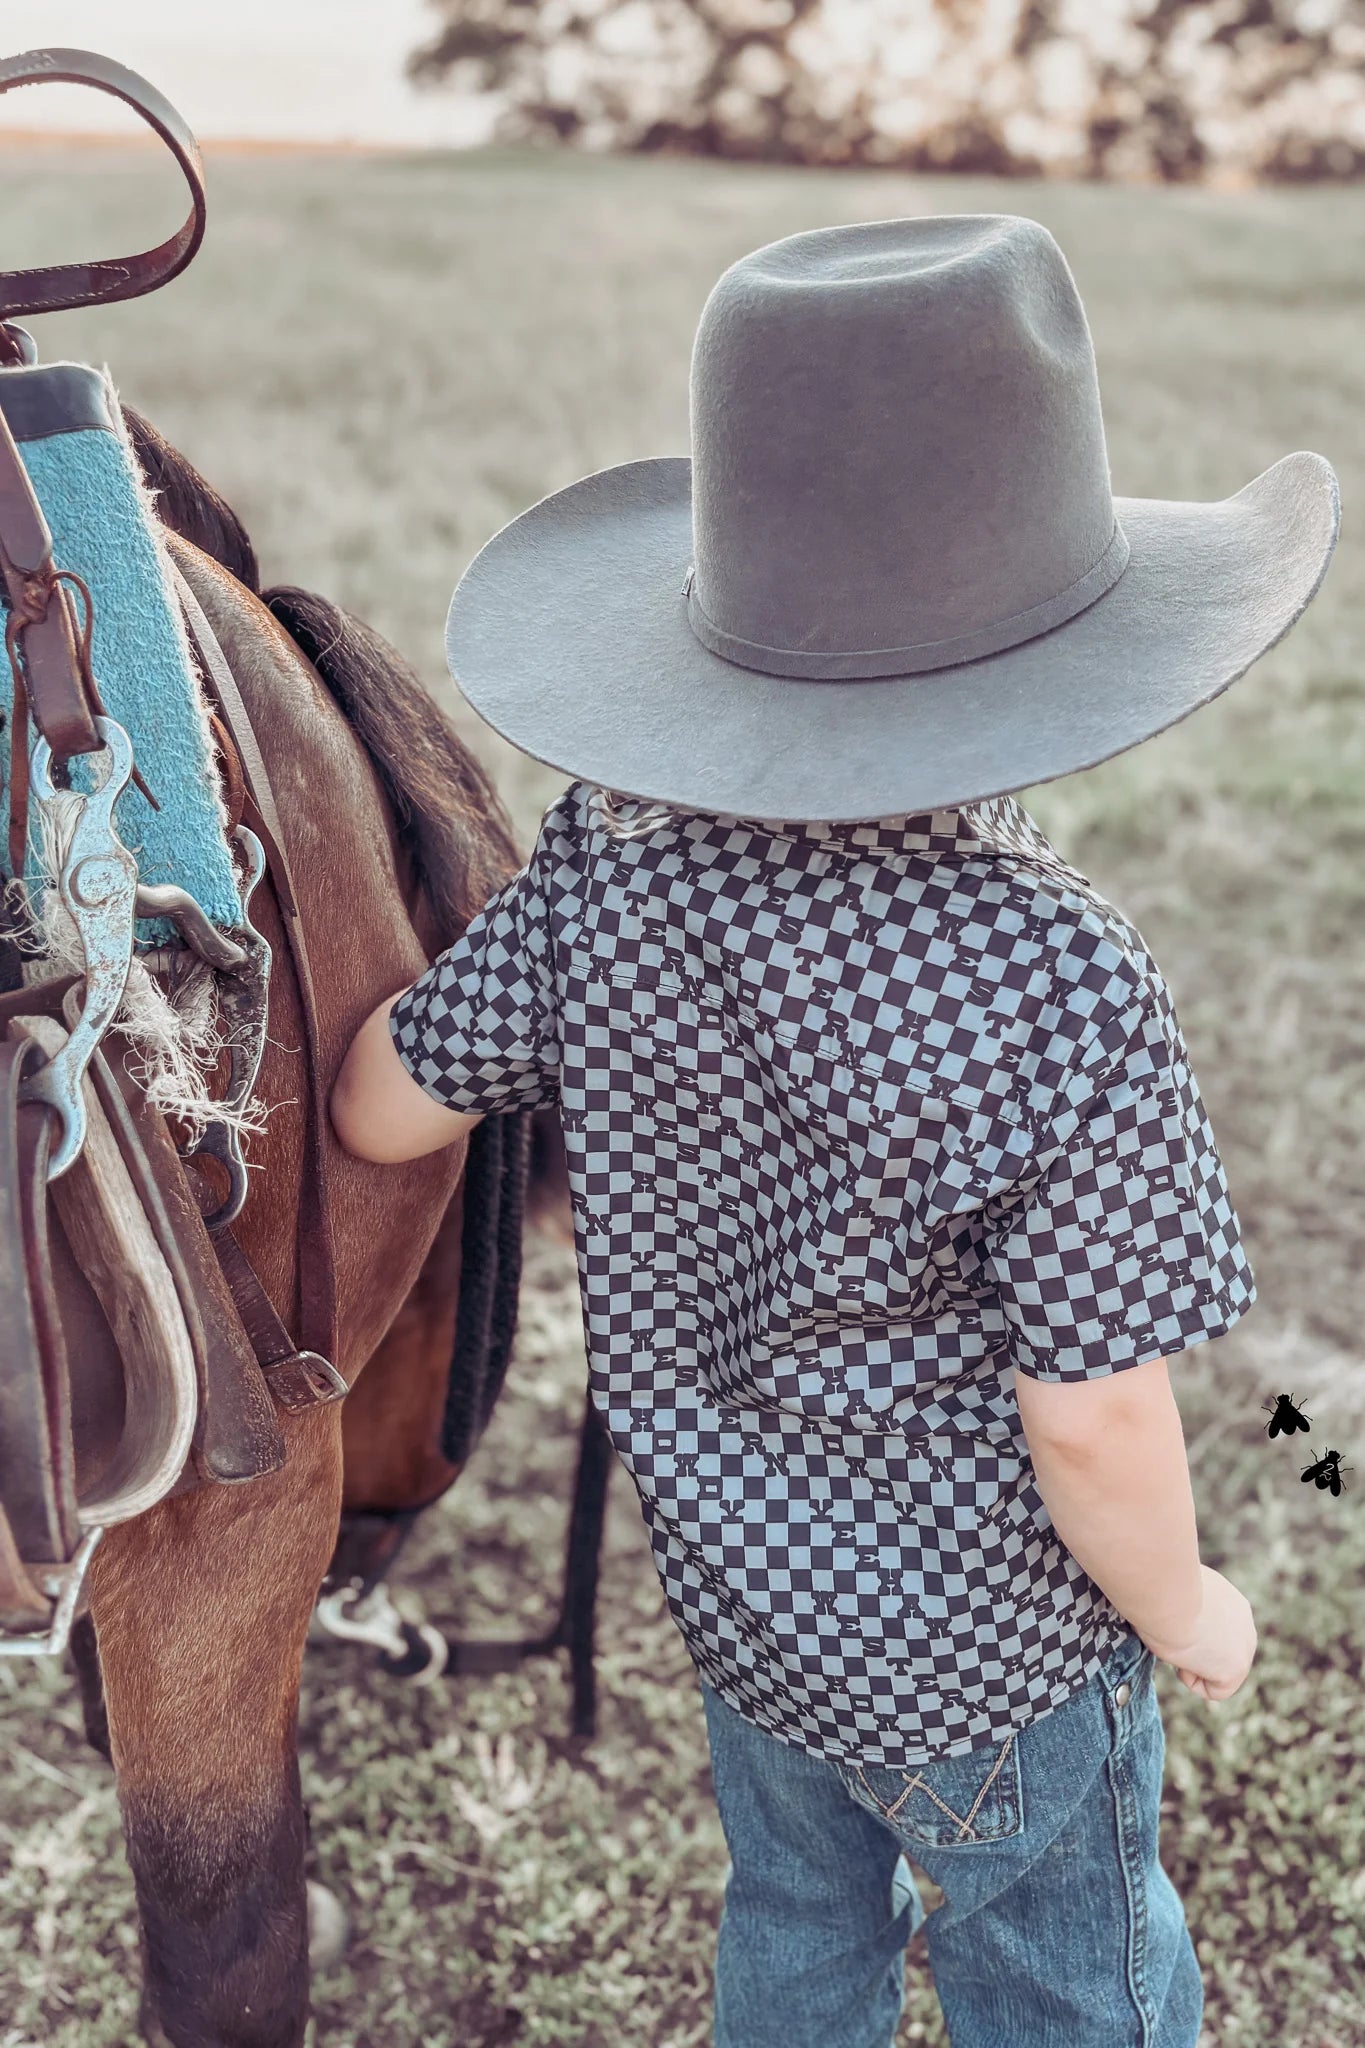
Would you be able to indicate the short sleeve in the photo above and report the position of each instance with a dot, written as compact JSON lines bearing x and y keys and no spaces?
{"x":1126,"y":1247}
{"x":478,"y":1031}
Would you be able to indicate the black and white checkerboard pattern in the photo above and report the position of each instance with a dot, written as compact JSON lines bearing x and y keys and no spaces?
{"x":861,"y":1119}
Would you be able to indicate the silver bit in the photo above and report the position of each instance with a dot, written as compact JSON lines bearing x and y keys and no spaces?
{"x":98,"y":885}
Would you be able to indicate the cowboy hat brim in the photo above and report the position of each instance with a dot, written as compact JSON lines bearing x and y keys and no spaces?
{"x":569,"y":635}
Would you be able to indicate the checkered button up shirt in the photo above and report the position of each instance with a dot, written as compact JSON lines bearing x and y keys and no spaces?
{"x":861,"y":1121}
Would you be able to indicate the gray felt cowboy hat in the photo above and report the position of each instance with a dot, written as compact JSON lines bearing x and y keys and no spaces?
{"x":893,"y":576}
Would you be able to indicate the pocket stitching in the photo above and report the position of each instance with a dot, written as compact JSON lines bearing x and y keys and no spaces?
{"x":999,"y":1766}
{"x":964,"y":1826}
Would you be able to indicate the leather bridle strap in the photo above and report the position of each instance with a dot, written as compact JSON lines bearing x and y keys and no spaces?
{"x":40,"y":639}
{"x":108,"y":278}
{"x":317,"y":1261}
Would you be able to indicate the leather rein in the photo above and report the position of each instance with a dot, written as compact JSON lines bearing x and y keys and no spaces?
{"x":288,"y":1368}
{"x":107,"y":278}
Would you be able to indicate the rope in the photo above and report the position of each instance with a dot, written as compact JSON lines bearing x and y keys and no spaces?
{"x":496,"y":1172}
{"x":495,"y":1179}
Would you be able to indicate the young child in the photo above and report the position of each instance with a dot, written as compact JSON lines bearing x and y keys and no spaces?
{"x":894,"y":1194}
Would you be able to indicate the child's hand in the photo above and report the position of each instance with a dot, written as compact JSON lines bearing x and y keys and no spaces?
{"x":1216,"y":1659}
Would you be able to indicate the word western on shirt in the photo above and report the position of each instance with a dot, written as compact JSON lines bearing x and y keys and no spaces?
{"x":861,"y":1119}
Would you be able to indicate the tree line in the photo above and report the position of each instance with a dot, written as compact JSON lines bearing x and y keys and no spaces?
{"x":1231,"y":90}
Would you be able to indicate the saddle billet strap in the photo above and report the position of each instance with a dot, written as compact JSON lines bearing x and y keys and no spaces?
{"x":317,"y":1261}
{"x":296,"y":1377}
{"x":37,"y":1483}
{"x":109,"y":278}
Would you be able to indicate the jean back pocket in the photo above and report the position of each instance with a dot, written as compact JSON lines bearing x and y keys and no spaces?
{"x":957,"y":1800}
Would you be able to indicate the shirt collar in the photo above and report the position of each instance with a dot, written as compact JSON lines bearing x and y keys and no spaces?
{"x":991,"y":826}
{"x":959,"y":831}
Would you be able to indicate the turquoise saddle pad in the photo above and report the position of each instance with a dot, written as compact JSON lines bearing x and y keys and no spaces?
{"x":71,"y":435}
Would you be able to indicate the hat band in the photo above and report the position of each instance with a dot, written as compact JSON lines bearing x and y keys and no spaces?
{"x":819,"y":665}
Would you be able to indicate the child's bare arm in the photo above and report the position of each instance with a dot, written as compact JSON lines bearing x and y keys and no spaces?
{"x":378,"y":1111}
{"x":1109,"y":1457}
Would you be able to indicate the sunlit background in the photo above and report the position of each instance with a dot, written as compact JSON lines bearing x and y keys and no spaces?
{"x":392,"y":342}
{"x":257,"y":71}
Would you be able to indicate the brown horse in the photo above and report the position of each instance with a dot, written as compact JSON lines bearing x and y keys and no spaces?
{"x":396,"y":837}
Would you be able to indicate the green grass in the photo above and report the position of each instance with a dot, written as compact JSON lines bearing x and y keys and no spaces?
{"x":381,"y":360}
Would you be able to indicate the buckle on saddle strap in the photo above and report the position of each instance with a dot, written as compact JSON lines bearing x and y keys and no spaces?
{"x":305,"y":1379}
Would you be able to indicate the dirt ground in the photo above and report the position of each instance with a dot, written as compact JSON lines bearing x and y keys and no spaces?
{"x":379,"y":361}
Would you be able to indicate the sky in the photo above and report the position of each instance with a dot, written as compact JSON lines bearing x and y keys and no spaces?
{"x":263,"y":70}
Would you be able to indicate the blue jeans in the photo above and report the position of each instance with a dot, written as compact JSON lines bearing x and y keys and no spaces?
{"x":1059,"y":1927}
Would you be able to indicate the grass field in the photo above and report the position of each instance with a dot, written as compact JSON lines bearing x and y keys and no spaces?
{"x":379,"y":360}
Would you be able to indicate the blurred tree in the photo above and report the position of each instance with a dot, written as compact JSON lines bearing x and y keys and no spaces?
{"x":1144,"y":89}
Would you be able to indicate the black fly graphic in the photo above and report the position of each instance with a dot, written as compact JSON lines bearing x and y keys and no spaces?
{"x":1285,"y":1416}
{"x":1326,"y":1473}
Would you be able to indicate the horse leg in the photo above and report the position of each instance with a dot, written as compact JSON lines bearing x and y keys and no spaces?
{"x":201,"y":1609}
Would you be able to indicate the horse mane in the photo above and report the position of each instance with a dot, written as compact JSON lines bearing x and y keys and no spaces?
{"x":188,"y":504}
{"x":450,"y":820}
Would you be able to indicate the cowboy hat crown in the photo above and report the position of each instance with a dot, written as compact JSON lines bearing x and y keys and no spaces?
{"x":898,"y":450}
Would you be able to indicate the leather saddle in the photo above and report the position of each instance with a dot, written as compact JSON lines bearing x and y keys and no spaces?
{"x":139,"y":1355}
{"x":126,"y":1374}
